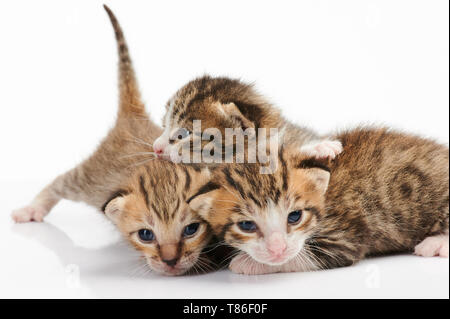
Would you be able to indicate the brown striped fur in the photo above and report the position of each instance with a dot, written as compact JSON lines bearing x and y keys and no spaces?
{"x":221,"y":103}
{"x":97,"y":177}
{"x":122,"y":179}
{"x":155,"y":198}
{"x":387,"y":192}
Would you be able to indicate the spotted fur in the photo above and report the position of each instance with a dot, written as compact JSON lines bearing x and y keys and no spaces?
{"x":385,"y":193}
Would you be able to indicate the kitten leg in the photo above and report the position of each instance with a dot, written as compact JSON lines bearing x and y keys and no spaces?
{"x":67,"y":186}
{"x":313,"y":257}
{"x":433,"y":246}
{"x":322,"y":149}
{"x":37,"y":209}
{"x":246,"y":265}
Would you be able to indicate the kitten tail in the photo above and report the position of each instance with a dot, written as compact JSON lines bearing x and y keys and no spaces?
{"x":129,"y":96}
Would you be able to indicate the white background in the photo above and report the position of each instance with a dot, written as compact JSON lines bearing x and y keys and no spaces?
{"x":326,"y":64}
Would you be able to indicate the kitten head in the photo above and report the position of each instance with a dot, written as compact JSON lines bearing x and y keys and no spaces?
{"x":268,"y":216}
{"x":151,"y":212}
{"x":218,"y":103}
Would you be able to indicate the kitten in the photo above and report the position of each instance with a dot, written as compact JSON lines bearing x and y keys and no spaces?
{"x":387,"y":192}
{"x":144,"y":202}
{"x":151,"y":211}
{"x":226,"y":103}
{"x":93,"y":180}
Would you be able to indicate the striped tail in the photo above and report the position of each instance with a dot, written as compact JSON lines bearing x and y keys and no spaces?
{"x":130,"y":102}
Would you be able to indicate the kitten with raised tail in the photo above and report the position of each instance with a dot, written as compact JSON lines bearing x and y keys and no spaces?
{"x":93,"y":180}
{"x":143,"y":197}
{"x":221,"y":103}
{"x":387,"y":192}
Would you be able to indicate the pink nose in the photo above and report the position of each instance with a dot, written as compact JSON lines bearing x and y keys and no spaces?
{"x":158,"y":150}
{"x":276,"y":244}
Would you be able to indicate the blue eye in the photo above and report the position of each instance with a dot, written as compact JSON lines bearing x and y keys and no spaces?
{"x":247,"y":226}
{"x":294,"y":217}
{"x":181,"y":133}
{"x":146,"y":235}
{"x":191,"y":229}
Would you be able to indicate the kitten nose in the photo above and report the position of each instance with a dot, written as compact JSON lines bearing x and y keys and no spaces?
{"x":158,"y":146}
{"x":169,"y":254}
{"x":158,"y":150}
{"x":171,"y":262}
{"x":276,"y":243}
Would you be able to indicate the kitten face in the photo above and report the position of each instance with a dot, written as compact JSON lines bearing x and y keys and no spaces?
{"x":267,"y":216}
{"x":152,"y":214}
{"x":217,"y":102}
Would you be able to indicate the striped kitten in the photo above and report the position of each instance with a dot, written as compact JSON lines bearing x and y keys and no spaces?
{"x":387,"y":192}
{"x":94,"y":179}
{"x":226,"y":103}
{"x":150,"y":209}
{"x":146,"y":203}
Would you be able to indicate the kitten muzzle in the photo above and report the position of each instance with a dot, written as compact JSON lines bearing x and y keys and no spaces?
{"x":276,"y":244}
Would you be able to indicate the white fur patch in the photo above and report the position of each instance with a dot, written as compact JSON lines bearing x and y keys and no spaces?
{"x":244,"y":264}
{"x":29,"y":213}
{"x":322,"y":149}
{"x":433,"y":246}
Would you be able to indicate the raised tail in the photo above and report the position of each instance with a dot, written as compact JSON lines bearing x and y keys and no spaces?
{"x":130,"y":102}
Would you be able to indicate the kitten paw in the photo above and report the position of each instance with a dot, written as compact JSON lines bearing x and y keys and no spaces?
{"x":433,"y":246}
{"x":323,"y":149}
{"x":28,"y":214}
{"x":246,"y":265}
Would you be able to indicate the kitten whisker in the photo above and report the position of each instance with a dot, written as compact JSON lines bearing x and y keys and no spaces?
{"x":140,"y":141}
{"x":142,"y":162}
{"x":138,"y":154}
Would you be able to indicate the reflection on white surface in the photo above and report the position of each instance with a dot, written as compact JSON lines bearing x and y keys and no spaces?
{"x":351,"y":62}
{"x":76,"y":253}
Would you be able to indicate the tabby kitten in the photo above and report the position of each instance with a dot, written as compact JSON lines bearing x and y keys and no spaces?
{"x":94,"y":179}
{"x":387,"y":192}
{"x":151,"y":211}
{"x":144,"y":202}
{"x":221,"y":103}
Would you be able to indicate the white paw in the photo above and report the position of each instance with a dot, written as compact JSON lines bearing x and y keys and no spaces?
{"x":433,"y":246}
{"x":244,"y":264}
{"x":28,"y":214}
{"x":322,"y":149}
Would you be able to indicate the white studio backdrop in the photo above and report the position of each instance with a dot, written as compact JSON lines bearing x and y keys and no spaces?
{"x":326,"y":64}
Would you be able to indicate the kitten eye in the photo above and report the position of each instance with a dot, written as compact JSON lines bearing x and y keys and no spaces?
{"x":294,"y":217}
{"x":181,"y":133}
{"x":146,"y":235}
{"x":247,"y":226}
{"x":191,"y":229}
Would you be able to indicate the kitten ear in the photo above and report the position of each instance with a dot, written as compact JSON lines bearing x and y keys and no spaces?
{"x":232,"y":112}
{"x":320,"y":177}
{"x":202,"y":204}
{"x":201,"y":198}
{"x":114,"y":207}
{"x":316,"y":170}
{"x":202,"y":201}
